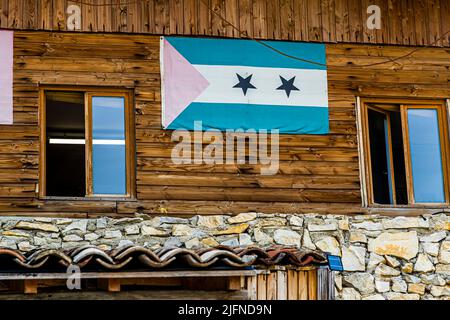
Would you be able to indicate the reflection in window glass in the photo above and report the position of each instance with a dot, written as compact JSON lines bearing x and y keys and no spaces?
{"x":65,"y":150}
{"x":108,"y":146}
{"x":379,"y":151}
{"x":388,"y":158}
{"x":426,"y":161}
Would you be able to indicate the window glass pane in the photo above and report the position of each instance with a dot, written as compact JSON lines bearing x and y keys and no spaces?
{"x":65,"y":145}
{"x":379,"y":158}
{"x":108,"y":146}
{"x":398,"y":158}
{"x":426,"y":160}
{"x":388,"y":157}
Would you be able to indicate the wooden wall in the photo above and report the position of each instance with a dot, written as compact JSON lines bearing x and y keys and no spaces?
{"x":276,"y":283}
{"x":404,"y":22}
{"x":291,"y":284}
{"x":318,"y":173}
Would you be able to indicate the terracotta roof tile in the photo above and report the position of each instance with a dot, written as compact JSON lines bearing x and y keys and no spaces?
{"x":132,"y":256}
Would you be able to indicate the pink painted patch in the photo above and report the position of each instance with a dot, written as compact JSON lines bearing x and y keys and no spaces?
{"x":6,"y":76}
{"x":182,"y":84}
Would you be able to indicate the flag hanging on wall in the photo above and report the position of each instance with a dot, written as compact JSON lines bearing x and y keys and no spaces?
{"x":6,"y":77}
{"x":242,"y":84}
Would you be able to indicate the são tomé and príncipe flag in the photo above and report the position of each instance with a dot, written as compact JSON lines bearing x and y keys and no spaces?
{"x":242,"y":84}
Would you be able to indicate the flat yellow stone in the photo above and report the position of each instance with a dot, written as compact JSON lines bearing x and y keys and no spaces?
{"x":447,"y":225}
{"x":210,"y":222}
{"x":233,"y":230}
{"x":12,"y":233}
{"x":407,"y":268}
{"x":416,"y":288}
{"x":343,"y":224}
{"x":210,"y":242}
{"x":243,"y":217}
{"x":402,"y":244}
{"x":36,"y":226}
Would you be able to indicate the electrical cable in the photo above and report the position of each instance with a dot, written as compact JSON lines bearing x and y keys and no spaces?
{"x":109,"y":4}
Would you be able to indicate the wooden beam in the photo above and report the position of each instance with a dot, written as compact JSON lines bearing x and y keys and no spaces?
{"x":234,"y":283}
{"x":303,"y":285}
{"x":128,"y":275}
{"x":132,"y":295}
{"x":312,"y":285}
{"x":271,"y":286}
{"x":251,"y":288}
{"x":281,"y":285}
{"x":292,"y":283}
{"x":111,"y":285}
{"x":261,"y":287}
{"x":30,"y":286}
{"x":159,"y":282}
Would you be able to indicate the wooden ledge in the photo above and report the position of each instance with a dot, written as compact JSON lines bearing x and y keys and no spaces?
{"x":134,"y":275}
{"x":160,"y":294}
{"x":112,"y":281}
{"x":410,"y":211}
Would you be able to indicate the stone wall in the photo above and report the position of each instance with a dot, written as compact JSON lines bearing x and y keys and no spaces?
{"x":384,"y":258}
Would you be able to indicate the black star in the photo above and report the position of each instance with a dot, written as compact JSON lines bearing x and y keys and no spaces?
{"x":288,"y":85}
{"x":244,"y":84}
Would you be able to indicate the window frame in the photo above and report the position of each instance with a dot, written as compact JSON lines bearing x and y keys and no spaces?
{"x":443,"y":133}
{"x":365,"y":157}
{"x":89,"y":92}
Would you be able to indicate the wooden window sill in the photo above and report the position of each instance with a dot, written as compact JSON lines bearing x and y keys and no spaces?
{"x":118,"y":199}
{"x":416,"y":210}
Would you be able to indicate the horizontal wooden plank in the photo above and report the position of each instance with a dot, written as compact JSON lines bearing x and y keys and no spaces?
{"x":410,"y":90}
{"x":136,"y":275}
{"x":256,"y":181}
{"x":16,"y":176}
{"x":19,"y":132}
{"x":154,"y":294}
{"x":352,"y":62}
{"x":249,"y":194}
{"x":55,"y":206}
{"x":84,"y":64}
{"x":17,"y":161}
{"x":161,"y":150}
{"x":144,"y":134}
{"x":86,"y":38}
{"x":285,"y":167}
{"x":19,"y":146}
{"x":17,"y":190}
{"x":385,"y":51}
{"x":365,"y":76}
{"x":62,"y":77}
{"x":189,"y":208}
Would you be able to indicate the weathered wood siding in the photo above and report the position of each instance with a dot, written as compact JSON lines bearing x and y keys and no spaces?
{"x":291,"y":284}
{"x":404,"y":22}
{"x":318,"y":173}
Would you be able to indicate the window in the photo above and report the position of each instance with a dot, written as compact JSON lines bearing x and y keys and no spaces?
{"x":86,"y":149}
{"x":405,"y":153}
